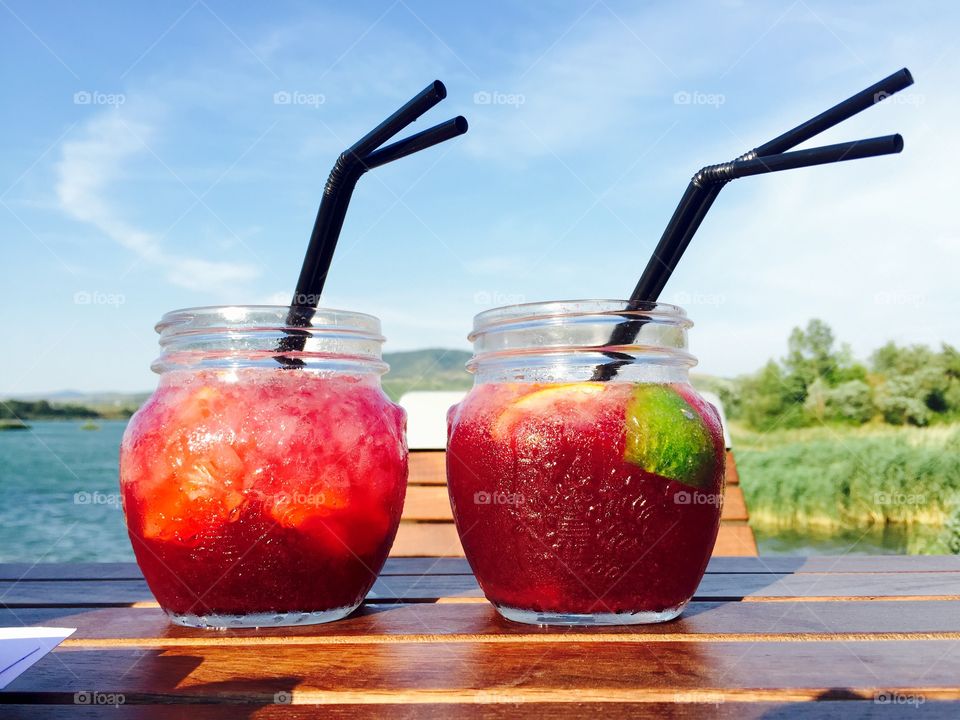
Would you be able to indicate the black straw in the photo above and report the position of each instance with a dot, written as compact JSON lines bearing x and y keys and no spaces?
{"x":705,"y":186}
{"x":349,"y":167}
{"x":415,"y":143}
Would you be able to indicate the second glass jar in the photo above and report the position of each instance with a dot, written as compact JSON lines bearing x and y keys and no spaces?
{"x":586,"y":477}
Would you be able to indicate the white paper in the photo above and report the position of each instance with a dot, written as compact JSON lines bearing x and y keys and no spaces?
{"x":21,"y":647}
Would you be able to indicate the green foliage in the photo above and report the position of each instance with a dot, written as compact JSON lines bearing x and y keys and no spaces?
{"x":850,"y":478}
{"x":43,"y":410}
{"x":900,"y":401}
{"x":848,"y":402}
{"x":767,"y":400}
{"x":819,"y":381}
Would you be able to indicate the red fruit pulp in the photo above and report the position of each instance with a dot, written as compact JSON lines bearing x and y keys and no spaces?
{"x":553,"y":519}
{"x":263,"y":490}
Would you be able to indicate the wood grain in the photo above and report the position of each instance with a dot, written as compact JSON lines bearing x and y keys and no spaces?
{"x":735,"y":539}
{"x":734,"y":505}
{"x":431,"y":622}
{"x":416,"y":539}
{"x":427,"y":502}
{"x":505,"y":672}
{"x":687,"y":710}
{"x":767,"y":637}
{"x":428,"y":467}
{"x":732,"y":476}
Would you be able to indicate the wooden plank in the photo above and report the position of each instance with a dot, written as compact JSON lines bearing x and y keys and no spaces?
{"x":682,"y":709}
{"x":734,"y":505}
{"x":427,"y":502}
{"x":517,"y":672}
{"x":852,"y":621}
{"x":735,"y":539}
{"x":428,"y":467}
{"x":69,"y":571}
{"x":409,"y":588}
{"x":427,"y":539}
{"x":732,"y":476}
{"x":429,"y":566}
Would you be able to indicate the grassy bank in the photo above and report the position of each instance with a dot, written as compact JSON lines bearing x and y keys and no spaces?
{"x":842,"y":478}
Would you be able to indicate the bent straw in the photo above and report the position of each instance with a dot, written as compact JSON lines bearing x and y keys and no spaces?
{"x":349,"y":167}
{"x":336,"y":198}
{"x":415,"y":143}
{"x":699,"y":198}
{"x":841,"y":152}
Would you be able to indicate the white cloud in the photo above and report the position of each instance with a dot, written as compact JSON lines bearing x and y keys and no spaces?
{"x":87,"y":171}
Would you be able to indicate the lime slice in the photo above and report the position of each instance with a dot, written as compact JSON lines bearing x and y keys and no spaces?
{"x":667,"y":436}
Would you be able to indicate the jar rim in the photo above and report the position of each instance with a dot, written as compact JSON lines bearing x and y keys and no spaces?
{"x":363,"y":322}
{"x":230,"y":336}
{"x":556,"y":309}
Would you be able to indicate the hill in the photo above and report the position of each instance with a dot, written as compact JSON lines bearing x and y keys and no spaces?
{"x":431,"y":369}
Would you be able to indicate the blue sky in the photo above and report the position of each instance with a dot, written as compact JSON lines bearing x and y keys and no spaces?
{"x":147,"y":165}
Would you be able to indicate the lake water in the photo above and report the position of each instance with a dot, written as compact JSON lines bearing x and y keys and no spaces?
{"x":60,"y":494}
{"x":61,"y":502}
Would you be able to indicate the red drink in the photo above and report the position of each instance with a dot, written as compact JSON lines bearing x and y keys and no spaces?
{"x":585,"y":502}
{"x":261,"y":495}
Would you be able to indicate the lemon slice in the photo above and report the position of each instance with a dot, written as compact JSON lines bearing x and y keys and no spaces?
{"x":557,"y":400}
{"x":668,"y":437}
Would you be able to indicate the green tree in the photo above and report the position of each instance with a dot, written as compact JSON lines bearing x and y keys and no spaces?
{"x":768,"y":401}
{"x":813,"y":353}
{"x":900,"y":401}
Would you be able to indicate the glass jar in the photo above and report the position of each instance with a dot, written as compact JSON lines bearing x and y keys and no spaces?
{"x":582,"y":500}
{"x":260,"y":488}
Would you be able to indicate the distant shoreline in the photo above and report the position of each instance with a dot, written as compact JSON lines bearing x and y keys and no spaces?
{"x":14,"y":410}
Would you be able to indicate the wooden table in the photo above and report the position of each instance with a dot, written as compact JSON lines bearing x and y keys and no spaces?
{"x":766,"y":637}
